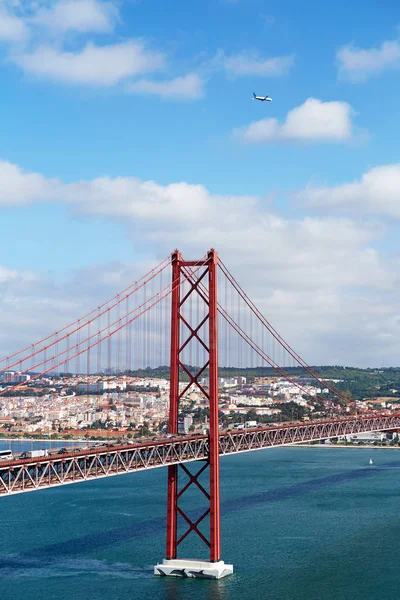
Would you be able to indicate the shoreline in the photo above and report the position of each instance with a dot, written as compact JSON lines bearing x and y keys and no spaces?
{"x":49,"y":441}
{"x":300,"y":445}
{"x":333,"y":446}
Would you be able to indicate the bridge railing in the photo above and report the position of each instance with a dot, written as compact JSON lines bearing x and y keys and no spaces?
{"x":29,"y":474}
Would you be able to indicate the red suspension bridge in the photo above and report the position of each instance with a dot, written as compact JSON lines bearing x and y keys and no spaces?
{"x":194,"y":322}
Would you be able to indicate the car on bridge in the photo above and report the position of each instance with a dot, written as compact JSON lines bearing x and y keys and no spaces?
{"x":6,"y":455}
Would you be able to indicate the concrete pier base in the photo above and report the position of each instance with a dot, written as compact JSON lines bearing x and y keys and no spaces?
{"x":193,"y":568}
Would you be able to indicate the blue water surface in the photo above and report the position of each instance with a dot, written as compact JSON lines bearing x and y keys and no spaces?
{"x":297,"y":524}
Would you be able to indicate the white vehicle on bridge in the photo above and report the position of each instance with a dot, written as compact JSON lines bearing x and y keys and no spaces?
{"x":6,"y":455}
{"x":34,"y":453}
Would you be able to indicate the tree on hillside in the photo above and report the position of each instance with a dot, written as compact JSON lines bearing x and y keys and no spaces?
{"x":252,"y":415}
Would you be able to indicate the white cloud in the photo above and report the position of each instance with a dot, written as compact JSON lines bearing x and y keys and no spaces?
{"x":34,"y":305}
{"x":120,"y":197}
{"x":358,"y":64}
{"x":12,"y":27}
{"x":52,"y":55}
{"x":94,"y":65}
{"x":243,"y":227}
{"x":78,"y":15}
{"x":18,"y":187}
{"x":250,"y":64}
{"x":320,"y":281}
{"x":378,"y":191}
{"x":312,"y":121}
{"x":185,"y":87}
{"x":7,"y":275}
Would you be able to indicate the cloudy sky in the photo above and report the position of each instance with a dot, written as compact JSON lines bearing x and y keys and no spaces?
{"x":128,"y":130}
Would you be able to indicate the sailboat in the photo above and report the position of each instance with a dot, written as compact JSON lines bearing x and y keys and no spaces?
{"x":370,"y":461}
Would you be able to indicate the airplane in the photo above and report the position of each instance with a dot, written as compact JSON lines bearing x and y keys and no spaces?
{"x":262,"y":98}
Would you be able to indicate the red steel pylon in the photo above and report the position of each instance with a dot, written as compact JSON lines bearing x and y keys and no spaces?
{"x":181,"y":273}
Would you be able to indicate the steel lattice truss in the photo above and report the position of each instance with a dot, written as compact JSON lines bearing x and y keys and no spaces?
{"x":26,"y":475}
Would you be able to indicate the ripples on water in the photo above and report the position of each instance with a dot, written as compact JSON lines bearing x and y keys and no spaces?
{"x":18,"y":566}
{"x":298,"y":524}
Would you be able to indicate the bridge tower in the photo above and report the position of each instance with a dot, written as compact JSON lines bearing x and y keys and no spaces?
{"x":201,"y":279}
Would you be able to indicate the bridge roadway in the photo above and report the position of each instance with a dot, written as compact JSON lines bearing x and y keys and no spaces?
{"x":30,"y":474}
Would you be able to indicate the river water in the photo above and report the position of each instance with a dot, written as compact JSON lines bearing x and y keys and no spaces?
{"x":297,"y":524}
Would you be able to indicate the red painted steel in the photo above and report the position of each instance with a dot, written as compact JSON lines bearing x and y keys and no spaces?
{"x":181,"y":272}
{"x":215,"y":548}
{"x":276,"y":335}
{"x":191,"y":281}
{"x":30,"y":474}
{"x":173,"y":405}
{"x":84,"y":321}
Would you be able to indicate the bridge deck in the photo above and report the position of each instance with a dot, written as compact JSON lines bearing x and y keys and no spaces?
{"x":30,"y":474}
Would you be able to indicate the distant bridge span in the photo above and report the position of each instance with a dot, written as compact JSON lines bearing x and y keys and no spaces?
{"x":30,"y":474}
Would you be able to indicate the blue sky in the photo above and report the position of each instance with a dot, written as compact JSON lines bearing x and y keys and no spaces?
{"x":300,"y":195}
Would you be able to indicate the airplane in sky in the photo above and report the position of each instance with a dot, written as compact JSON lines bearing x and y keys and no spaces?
{"x":262,"y":98}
